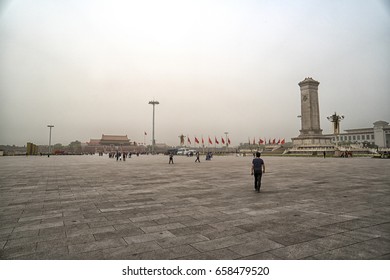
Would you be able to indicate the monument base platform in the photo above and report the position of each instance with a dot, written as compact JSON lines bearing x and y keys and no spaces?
{"x":312,"y":144}
{"x":312,"y":140}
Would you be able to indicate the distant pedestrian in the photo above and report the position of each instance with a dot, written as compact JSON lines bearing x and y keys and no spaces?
{"x":170,"y":158}
{"x":197,"y":157}
{"x":258,"y":168}
{"x":324,"y":154}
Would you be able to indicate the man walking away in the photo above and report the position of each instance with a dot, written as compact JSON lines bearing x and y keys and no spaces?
{"x":170,"y":158}
{"x":258,"y":168}
{"x":197,"y":157}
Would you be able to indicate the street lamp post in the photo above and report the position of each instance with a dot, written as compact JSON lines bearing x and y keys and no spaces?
{"x":49,"y":126}
{"x":153,"y":102}
{"x":336,"y":119}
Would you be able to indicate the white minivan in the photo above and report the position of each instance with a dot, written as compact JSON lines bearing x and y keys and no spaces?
{"x":182,"y":151}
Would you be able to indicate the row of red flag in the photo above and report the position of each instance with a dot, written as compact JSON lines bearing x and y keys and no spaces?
{"x":223,"y":141}
{"x":264,"y":141}
{"x":198,"y":142}
{"x":260,"y":142}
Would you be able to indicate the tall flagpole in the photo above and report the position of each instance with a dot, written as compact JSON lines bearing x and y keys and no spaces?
{"x":227,"y":144}
{"x":153,"y":102}
{"x":50,"y":126}
{"x":202,"y":144}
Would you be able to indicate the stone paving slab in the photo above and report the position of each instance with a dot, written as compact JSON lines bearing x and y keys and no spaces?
{"x":91,"y":207}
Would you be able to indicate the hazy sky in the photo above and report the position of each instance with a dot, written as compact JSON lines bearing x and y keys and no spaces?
{"x":91,"y":67}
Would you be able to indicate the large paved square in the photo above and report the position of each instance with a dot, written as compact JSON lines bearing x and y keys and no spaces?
{"x":91,"y":207}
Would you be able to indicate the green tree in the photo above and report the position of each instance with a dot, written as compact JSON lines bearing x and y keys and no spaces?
{"x":75,"y":147}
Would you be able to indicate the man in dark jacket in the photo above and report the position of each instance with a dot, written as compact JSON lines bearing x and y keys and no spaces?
{"x":258,"y":168}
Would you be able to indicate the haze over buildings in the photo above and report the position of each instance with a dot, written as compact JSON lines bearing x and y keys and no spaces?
{"x":91,"y":67}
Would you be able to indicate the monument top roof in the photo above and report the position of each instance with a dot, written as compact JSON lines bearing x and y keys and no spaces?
{"x":309,"y":80}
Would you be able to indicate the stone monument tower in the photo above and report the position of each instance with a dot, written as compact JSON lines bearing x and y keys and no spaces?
{"x":311,"y":133}
{"x":310,"y":112}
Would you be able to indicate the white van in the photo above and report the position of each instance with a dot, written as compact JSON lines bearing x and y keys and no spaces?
{"x":182,"y":151}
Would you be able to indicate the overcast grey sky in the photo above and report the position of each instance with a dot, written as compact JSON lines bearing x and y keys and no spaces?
{"x":91,"y":67}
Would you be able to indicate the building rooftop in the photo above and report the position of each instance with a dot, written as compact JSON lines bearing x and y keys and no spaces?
{"x":360,"y":130}
{"x":114,"y":138}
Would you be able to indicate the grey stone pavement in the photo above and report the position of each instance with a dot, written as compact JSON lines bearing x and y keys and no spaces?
{"x":91,"y":207}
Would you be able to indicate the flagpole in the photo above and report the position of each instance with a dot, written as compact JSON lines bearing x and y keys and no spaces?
{"x":226,"y":133}
{"x":202,"y":144}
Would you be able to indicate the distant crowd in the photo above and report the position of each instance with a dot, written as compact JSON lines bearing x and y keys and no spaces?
{"x":120,"y":155}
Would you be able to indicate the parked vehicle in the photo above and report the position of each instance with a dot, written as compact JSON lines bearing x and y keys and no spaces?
{"x":182,"y":151}
{"x":191,"y":153}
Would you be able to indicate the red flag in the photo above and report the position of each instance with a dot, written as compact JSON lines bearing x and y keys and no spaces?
{"x":269,"y":141}
{"x":261,"y":141}
{"x":279,"y":141}
{"x":196,"y":140}
{"x":273,"y":141}
{"x":283,"y":141}
{"x":188,"y":140}
{"x":216,"y":140}
{"x":202,"y":140}
{"x":223,"y":140}
{"x":229,"y":141}
{"x":210,"y":141}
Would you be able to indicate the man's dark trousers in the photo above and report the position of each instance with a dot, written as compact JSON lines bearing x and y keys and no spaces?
{"x":258,"y":175}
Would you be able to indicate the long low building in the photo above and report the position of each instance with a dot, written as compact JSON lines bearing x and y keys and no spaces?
{"x":378,"y":135}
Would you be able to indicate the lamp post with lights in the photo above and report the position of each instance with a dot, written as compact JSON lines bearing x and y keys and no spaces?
{"x":336,"y":119}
